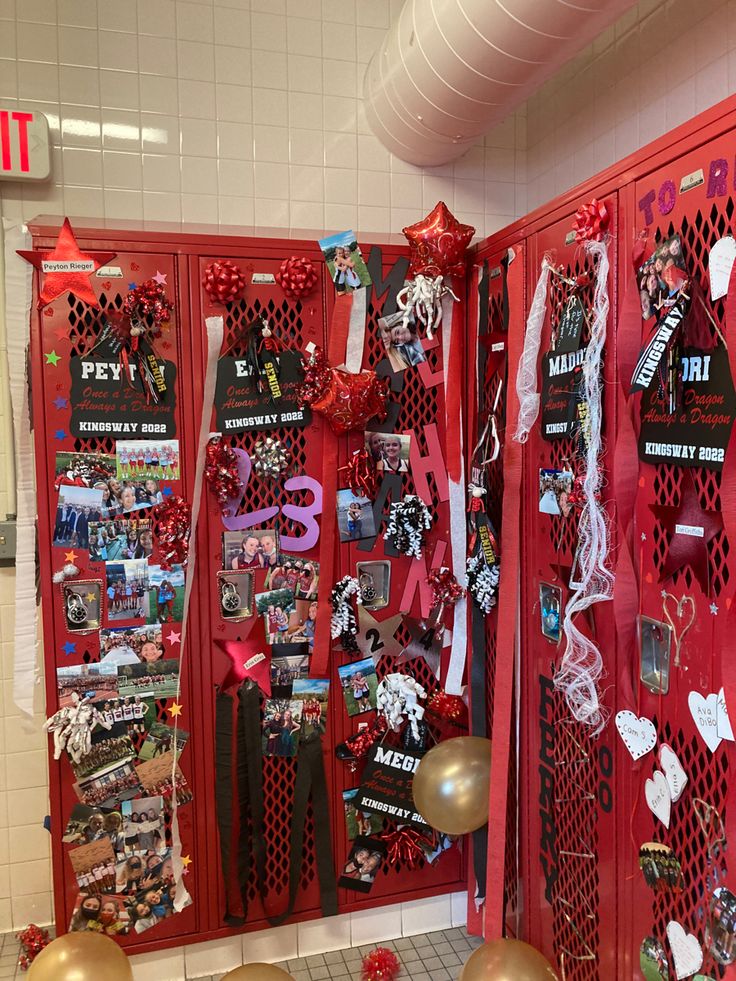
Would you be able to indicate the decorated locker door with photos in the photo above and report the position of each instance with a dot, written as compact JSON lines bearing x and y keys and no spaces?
{"x":110,"y":451}
{"x":678,"y":573}
{"x":567,"y":770}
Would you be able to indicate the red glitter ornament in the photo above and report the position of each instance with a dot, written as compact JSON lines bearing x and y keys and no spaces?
{"x":171,"y":524}
{"x":438,"y":243}
{"x":361,"y":475}
{"x":221,"y":472}
{"x":346,"y":400}
{"x":591,"y":222}
{"x":297,"y":277}
{"x":33,"y":940}
{"x":223,"y":281}
{"x":381,"y":964}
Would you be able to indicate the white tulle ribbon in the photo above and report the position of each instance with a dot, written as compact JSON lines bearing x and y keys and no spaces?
{"x":422,"y":298}
{"x":526,"y":375}
{"x":581,"y":665}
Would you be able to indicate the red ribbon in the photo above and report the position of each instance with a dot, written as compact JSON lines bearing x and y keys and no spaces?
{"x":591,"y":222}
{"x":361,"y":475}
{"x":406,"y":846}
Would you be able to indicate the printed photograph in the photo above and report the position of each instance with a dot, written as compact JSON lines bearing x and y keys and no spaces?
{"x":75,"y":508}
{"x":389,"y":451}
{"x":110,"y":748}
{"x":94,"y":866}
{"x":282,"y":720}
{"x":139,"y":459}
{"x":94,"y":681}
{"x":82,"y":605}
{"x":103,"y":913}
{"x":285,"y":670}
{"x":345,"y":263}
{"x":88,"y":824}
{"x":138,"y":712}
{"x":375,"y":583}
{"x":131,"y":645}
{"x":160,"y":678}
{"x":143,"y":825}
{"x":359,"y":684}
{"x":555,"y":487}
{"x":155,"y":778}
{"x":152,"y":890}
{"x":550,"y":606}
{"x":401,"y":342}
{"x":111,"y":788}
{"x":127,"y":589}
{"x":83,"y":469}
{"x":299,"y":575}
{"x":662,"y":279}
{"x":161,"y":739}
{"x":236,"y":590}
{"x":120,"y":538}
{"x":313,"y":694}
{"x":280,"y":619}
{"x":354,"y":516}
{"x":166,"y":599}
{"x":362,"y":865}
{"x":359,"y":822}
{"x":253,"y":549}
{"x":135,"y":495}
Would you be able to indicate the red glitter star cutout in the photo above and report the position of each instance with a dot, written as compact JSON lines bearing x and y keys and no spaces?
{"x":248,"y":659}
{"x":689,"y":528}
{"x":66,"y":268}
{"x":438,"y":243}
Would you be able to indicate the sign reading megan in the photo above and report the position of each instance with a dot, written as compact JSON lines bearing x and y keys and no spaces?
{"x":697,"y":434}
{"x":386,"y":785}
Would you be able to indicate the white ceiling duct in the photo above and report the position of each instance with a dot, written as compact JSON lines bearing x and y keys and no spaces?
{"x":449,"y":69}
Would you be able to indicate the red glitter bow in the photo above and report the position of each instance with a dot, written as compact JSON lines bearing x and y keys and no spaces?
{"x":33,"y":940}
{"x":221,"y":472}
{"x":591,"y":222}
{"x":361,"y":474}
{"x":297,"y":277}
{"x":405,"y":846}
{"x":446,"y":590}
{"x":448,"y":708}
{"x":147,"y":308}
{"x":346,"y":400}
{"x":223,"y":281}
{"x":381,"y":964}
{"x":171,"y":523}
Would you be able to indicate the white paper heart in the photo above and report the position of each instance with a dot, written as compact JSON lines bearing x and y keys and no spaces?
{"x":705,"y":716}
{"x":687,"y":953}
{"x":673,"y":771}
{"x":723,"y":723}
{"x":657,"y":794}
{"x":720,"y":263}
{"x":638,"y":734}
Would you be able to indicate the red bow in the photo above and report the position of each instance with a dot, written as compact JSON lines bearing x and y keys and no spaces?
{"x":297,"y":277}
{"x":223,"y":281}
{"x":446,"y":590}
{"x":591,"y":222}
{"x":221,"y":472}
{"x":361,"y":476}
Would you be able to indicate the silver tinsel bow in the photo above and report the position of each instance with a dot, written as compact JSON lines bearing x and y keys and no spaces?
{"x":270,"y":458}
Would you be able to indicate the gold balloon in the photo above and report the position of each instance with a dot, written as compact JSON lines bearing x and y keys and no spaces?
{"x":81,"y":957}
{"x":507,"y":960}
{"x":452,"y":784}
{"x":257,"y":972}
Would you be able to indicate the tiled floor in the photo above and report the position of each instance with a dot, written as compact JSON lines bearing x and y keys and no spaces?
{"x":427,"y":957}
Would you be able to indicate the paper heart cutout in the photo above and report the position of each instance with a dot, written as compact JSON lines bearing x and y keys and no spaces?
{"x":680,"y":615}
{"x":705,"y":716}
{"x":638,"y":734}
{"x":673,"y":771}
{"x":723,"y":723}
{"x":657,"y":794}
{"x":720,"y":263}
{"x":687,"y":954}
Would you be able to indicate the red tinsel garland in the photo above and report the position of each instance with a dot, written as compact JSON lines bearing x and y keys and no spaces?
{"x":297,"y":277}
{"x":33,"y":940}
{"x":381,"y":964}
{"x":223,"y":281}
{"x":591,"y":222}
{"x":221,"y":472}
{"x":171,"y":523}
{"x":446,"y":590}
{"x":361,"y":474}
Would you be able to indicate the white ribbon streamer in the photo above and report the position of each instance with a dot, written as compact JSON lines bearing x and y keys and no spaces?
{"x":526,"y":375}
{"x":214,"y":345}
{"x":18,"y":296}
{"x":581,"y":665}
{"x":424,"y":298}
{"x":356,"y":331}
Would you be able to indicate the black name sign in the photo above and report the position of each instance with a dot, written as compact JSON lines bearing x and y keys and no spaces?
{"x":241,"y":407}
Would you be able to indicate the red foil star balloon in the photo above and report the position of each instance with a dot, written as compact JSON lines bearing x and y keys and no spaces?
{"x":689,"y":529}
{"x":346,"y":400}
{"x":438,"y":243}
{"x":66,"y":268}
{"x":248,"y":659}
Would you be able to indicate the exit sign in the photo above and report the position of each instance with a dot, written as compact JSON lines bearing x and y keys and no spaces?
{"x":24,"y":146}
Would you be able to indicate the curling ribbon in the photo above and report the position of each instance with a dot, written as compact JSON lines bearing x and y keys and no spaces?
{"x":526,"y":374}
{"x":507,"y":619}
{"x":18,"y":295}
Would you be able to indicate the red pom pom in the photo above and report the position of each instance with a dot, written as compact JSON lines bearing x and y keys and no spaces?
{"x":171,"y":524}
{"x":438,"y":243}
{"x":221,"y":472}
{"x":33,"y":940}
{"x":223,"y":281}
{"x":346,"y":400}
{"x":147,"y":307}
{"x":381,"y":964}
{"x":297,"y":277}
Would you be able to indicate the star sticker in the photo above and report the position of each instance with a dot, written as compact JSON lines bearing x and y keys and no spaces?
{"x":66,"y":269}
{"x":131,"y":286}
{"x":376,"y":639}
{"x":70,"y":556}
{"x":59,"y":402}
{"x":61,"y":332}
{"x":175,"y":709}
{"x":173,"y":637}
{"x":425,"y":643}
{"x":689,"y":528}
{"x":186,"y":861}
{"x":167,"y":491}
{"x":714,"y":609}
{"x":248,"y":659}
{"x":52,"y":358}
{"x":59,"y":434}
{"x":159,"y":278}
{"x":69,"y":648}
{"x":91,"y":597}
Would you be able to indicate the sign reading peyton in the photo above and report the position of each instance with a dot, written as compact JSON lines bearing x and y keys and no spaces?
{"x":24,"y":146}
{"x":386,"y":785}
{"x":240,"y":406}
{"x":698,"y":434}
{"x":105,"y":402}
